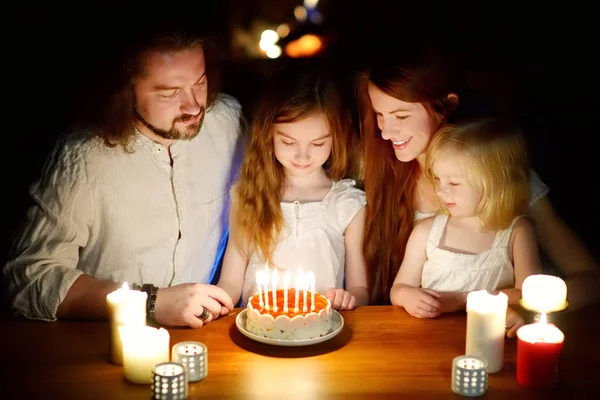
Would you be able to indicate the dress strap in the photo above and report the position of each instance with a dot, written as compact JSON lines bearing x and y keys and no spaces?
{"x":437,"y":229}
{"x":503,"y":237}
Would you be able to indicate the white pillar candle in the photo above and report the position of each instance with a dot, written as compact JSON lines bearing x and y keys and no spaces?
{"x":259,"y":286}
{"x":486,"y":318}
{"x":544,"y":293}
{"x":274,"y":281}
{"x":286,"y":284}
{"x":125,"y":307}
{"x":312,"y":281}
{"x":143,"y":348}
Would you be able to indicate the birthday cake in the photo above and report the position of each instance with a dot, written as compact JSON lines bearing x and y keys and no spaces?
{"x":289,"y":323}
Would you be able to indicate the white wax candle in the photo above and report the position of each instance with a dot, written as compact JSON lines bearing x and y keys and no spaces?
{"x":304,"y":297}
{"x":486,"y":318}
{"x":258,"y":284}
{"x":312,"y":280}
{"x":125,"y":307}
{"x":274,"y":281}
{"x":143,"y":348}
{"x":265,"y":278}
{"x":286,"y":284}
{"x":298,"y":286}
{"x":544,"y":293}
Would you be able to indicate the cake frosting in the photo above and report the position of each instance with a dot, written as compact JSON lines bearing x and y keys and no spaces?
{"x":290,"y":325}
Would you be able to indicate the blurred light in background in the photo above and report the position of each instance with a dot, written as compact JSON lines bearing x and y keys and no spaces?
{"x":300,"y":13}
{"x":283,"y":30}
{"x":311,"y":3}
{"x":306,"y":46}
{"x":268,"y":40}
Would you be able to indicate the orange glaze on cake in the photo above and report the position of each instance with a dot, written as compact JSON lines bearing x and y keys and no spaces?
{"x":320,"y":303}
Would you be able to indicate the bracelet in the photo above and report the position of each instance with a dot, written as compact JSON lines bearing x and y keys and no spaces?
{"x":151,"y":291}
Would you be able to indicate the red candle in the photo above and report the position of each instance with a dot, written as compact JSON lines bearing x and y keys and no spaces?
{"x":538,"y":349}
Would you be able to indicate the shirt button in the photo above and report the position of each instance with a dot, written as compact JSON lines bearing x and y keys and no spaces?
{"x":158,"y":149}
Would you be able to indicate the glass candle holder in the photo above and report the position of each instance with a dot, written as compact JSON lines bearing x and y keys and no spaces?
{"x":169,"y":381}
{"x":194,"y":357}
{"x":469,"y":376}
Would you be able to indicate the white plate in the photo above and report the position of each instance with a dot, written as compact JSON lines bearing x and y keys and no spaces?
{"x":337,"y":323}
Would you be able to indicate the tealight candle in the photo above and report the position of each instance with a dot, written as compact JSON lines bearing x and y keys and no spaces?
{"x":486,"y":318}
{"x":125,"y":307}
{"x":544,"y":293}
{"x":194,"y":357}
{"x":143,"y":348}
{"x":169,"y":381}
{"x":539,"y":346}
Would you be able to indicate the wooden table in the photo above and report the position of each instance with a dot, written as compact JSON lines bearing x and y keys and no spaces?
{"x":382,"y":352}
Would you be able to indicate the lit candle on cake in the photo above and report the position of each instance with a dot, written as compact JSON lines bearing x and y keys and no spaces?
{"x":312,"y":281}
{"x":259,"y":285}
{"x":539,"y":347}
{"x":265,"y":279}
{"x":305,"y":294}
{"x":286,"y":284}
{"x":544,"y":293}
{"x":143,"y":348}
{"x":486,"y":318}
{"x":298,"y":286}
{"x":125,"y":307}
{"x":274,"y":281}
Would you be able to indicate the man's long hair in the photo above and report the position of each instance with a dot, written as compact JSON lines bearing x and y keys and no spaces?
{"x":112,"y":110}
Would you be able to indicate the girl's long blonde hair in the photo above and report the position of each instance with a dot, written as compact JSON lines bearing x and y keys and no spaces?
{"x":494,"y":155}
{"x":292,"y":95}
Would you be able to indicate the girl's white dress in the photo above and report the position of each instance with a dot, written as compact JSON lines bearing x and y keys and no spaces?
{"x":312,"y":239}
{"x":447,"y":271}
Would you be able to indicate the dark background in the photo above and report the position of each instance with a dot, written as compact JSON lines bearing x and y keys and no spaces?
{"x":531,"y":62}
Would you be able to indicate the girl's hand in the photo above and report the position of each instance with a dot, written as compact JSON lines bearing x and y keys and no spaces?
{"x":422,"y":303}
{"x":513,"y":322}
{"x":340,"y":299}
{"x":453,"y":301}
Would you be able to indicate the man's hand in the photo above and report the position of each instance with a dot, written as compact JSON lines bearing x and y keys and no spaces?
{"x":180,"y":305}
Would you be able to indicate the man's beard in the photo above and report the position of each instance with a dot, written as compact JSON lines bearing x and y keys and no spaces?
{"x":190,"y":132}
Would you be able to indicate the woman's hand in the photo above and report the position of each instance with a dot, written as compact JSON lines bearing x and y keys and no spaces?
{"x":514,"y":321}
{"x":340,"y":299}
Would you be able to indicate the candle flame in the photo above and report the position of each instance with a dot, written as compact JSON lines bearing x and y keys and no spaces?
{"x":543,"y":319}
{"x":125,"y":286}
{"x":274,"y":279}
{"x":299,"y":280}
{"x":311,"y":278}
{"x":286,"y":279}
